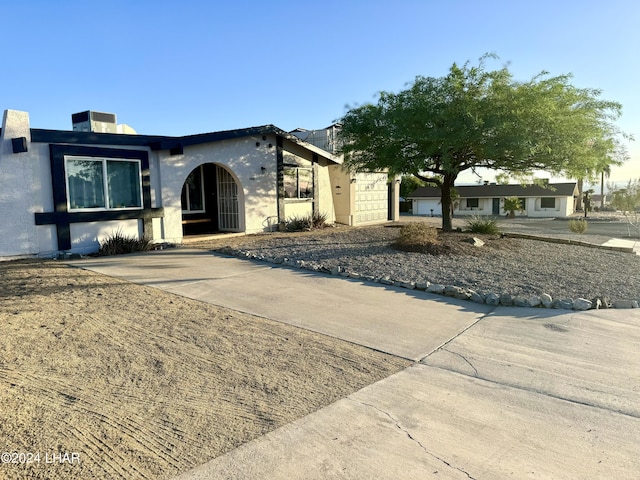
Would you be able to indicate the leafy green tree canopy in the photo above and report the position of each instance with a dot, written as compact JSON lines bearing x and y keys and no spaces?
{"x":409,"y":184}
{"x":478,"y":118}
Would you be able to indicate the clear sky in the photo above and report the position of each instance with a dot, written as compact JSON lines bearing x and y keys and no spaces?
{"x":189,"y":66}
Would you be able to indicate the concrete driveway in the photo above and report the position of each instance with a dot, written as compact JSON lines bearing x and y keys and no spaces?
{"x":493,"y":393}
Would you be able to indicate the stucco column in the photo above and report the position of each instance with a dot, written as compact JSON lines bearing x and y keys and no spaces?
{"x":280,"y":181}
{"x":17,"y":198}
{"x":395,"y":199}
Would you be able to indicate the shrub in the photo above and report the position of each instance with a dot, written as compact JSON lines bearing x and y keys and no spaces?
{"x":299,"y":224}
{"x":414,"y":237}
{"x":578,"y":226}
{"x":306,"y":223}
{"x":117,"y":244}
{"x":319,"y":220}
{"x":487,"y":225}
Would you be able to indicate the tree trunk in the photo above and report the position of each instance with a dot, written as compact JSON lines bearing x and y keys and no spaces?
{"x":579,"y":199}
{"x":601,"y":189}
{"x":445,"y":201}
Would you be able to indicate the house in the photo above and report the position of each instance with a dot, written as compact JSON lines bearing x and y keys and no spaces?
{"x":596,"y":200}
{"x":64,"y":191}
{"x":550,"y":200}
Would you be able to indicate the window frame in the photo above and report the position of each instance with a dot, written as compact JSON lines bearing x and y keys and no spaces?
{"x":188,"y":211}
{"x":297,"y":169}
{"x":105,"y":183}
{"x":523,"y":203}
{"x":472,"y":200}
{"x":543,"y":199}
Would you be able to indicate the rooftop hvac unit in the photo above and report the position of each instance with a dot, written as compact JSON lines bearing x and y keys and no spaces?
{"x":91,"y":121}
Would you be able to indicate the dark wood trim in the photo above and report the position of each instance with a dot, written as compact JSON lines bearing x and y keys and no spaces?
{"x":316,"y":193}
{"x":58,"y":218}
{"x":62,"y":218}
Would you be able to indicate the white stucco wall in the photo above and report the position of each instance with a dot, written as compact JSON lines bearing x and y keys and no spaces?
{"x":257,"y":196}
{"x":18,"y":188}
{"x":86,"y":237}
{"x":294,"y":209}
{"x":564,"y":207}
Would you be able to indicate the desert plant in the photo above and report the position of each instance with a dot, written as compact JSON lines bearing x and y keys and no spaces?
{"x":299,"y":223}
{"x":579,"y":225}
{"x":478,"y":224}
{"x":511,"y":204}
{"x":306,"y":223}
{"x":319,"y":220}
{"x":415,"y":236}
{"x":117,"y":243}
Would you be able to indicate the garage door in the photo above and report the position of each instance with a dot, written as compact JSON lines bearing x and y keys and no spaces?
{"x":371,"y":198}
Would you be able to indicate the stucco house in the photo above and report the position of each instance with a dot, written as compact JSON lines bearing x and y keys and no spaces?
{"x":64,"y":191}
{"x":550,"y":200}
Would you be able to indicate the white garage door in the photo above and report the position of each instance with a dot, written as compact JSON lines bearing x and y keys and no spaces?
{"x":423,"y":207}
{"x":371,"y":198}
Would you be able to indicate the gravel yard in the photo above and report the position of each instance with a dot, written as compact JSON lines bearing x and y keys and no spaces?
{"x":504,"y":265}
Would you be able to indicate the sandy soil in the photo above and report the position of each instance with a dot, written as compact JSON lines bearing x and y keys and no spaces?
{"x":132,"y":382}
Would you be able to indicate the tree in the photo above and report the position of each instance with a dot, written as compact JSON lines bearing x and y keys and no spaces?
{"x":474,"y":118}
{"x":511,"y":204}
{"x":409,"y":184}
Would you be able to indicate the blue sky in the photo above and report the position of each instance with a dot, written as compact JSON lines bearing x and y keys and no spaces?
{"x":178,"y":68}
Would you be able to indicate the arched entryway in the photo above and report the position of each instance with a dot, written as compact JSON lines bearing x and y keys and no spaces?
{"x":210,"y":201}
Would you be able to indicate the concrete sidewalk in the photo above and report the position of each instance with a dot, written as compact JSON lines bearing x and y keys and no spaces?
{"x":494,"y":393}
{"x":620,"y":243}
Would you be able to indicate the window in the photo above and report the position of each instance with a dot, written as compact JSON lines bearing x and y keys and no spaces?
{"x":473,"y":202}
{"x":298,"y":182}
{"x":103,"y":183}
{"x":193,"y":192}
{"x":547,"y":203}
{"x":523,"y":203}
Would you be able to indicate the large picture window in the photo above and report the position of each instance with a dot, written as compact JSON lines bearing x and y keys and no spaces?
{"x":473,"y":202}
{"x":298,"y":182}
{"x":103,"y":183}
{"x":547,"y":202}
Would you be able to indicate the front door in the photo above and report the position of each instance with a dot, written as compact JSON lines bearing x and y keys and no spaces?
{"x":199,"y":202}
{"x":496,"y":206}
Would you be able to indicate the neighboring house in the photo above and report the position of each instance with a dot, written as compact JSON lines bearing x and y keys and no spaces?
{"x":551,"y":200}
{"x":64,"y":191}
{"x":596,"y":200}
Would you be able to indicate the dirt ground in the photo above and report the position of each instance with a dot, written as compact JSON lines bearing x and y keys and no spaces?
{"x":104,"y":379}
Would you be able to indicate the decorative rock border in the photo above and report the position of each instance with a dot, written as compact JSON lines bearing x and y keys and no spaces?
{"x":491,"y":298}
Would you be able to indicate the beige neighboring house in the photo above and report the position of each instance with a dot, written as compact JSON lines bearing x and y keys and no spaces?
{"x":65,"y":191}
{"x":359,"y":198}
{"x":550,"y":200}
